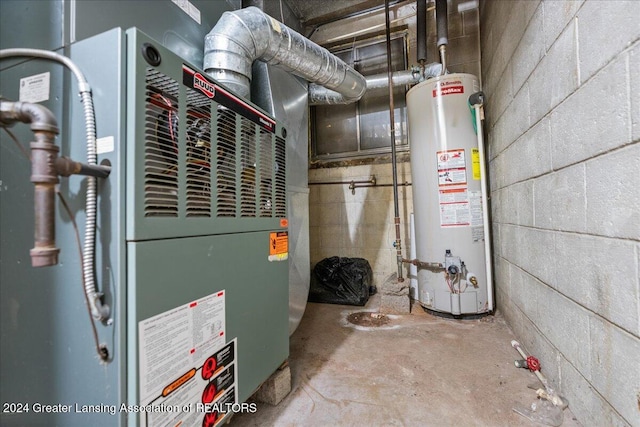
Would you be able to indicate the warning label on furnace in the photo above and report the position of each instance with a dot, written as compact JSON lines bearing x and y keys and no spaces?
{"x":278,"y":246}
{"x":35,"y":88}
{"x":173,"y":347}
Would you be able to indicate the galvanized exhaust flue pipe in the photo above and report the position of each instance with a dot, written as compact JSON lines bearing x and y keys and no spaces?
{"x":242,"y":36}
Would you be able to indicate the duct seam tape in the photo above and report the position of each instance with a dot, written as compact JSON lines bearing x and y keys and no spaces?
{"x":275,"y":25}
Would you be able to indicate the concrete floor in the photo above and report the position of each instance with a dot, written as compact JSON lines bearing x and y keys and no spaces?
{"x":418,"y":370}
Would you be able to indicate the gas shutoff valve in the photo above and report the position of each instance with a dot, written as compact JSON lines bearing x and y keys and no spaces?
{"x":452,"y":264}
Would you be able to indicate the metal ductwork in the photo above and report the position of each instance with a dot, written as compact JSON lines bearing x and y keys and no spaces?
{"x":319,"y":95}
{"x":242,"y":36}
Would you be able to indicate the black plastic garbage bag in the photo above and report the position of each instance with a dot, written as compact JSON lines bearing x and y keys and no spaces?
{"x":340,"y":280}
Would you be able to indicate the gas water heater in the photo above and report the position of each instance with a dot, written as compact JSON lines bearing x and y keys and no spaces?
{"x":447,"y":196}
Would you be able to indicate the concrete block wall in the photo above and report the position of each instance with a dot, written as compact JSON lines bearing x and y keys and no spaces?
{"x":362,"y":224}
{"x":562,"y":80}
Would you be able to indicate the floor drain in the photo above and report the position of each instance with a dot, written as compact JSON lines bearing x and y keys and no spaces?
{"x":367,"y":318}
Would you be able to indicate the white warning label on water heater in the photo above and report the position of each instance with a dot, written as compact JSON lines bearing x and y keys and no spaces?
{"x":452,"y":167}
{"x":475,"y":207}
{"x":451,"y":159}
{"x":454,"y":207}
{"x":477,"y":219}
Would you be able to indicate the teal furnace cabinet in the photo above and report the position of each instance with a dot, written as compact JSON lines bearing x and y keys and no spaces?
{"x":192,"y":248}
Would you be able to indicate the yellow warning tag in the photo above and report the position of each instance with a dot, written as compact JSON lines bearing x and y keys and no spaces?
{"x":278,"y":246}
{"x":475,"y":163}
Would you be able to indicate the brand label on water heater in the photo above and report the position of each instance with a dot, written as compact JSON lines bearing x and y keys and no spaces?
{"x":448,"y":88}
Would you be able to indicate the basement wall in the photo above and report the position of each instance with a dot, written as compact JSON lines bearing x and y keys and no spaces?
{"x":563,"y":119}
{"x":360,"y":224}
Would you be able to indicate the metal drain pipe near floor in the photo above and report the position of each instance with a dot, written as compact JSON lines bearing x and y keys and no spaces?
{"x":392,"y":120}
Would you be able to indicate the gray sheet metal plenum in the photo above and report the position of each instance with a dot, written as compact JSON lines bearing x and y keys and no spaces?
{"x":284,"y":96}
{"x":238,"y":39}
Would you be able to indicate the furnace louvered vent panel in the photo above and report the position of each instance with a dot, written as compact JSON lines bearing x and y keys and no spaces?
{"x":248,"y":164}
{"x":266,"y":169}
{"x":198,"y":140}
{"x":161,"y":145}
{"x":226,"y":162}
{"x":280,"y":179}
{"x":205,"y":158}
{"x":200,"y":160}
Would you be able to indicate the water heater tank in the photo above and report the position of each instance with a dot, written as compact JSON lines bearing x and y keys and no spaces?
{"x":447,"y":199}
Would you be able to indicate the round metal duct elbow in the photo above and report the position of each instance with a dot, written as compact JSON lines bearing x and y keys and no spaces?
{"x":242,"y":36}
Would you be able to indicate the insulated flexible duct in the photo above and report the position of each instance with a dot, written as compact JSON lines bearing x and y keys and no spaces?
{"x":242,"y":36}
{"x":319,"y":95}
{"x":98,"y":310}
